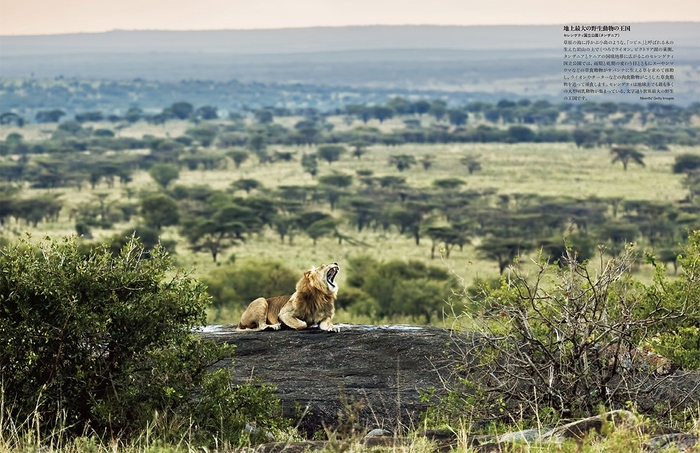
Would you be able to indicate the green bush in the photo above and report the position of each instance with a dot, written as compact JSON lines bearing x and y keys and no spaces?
{"x":103,"y":343}
{"x":237,"y":285}
{"x":678,"y":338}
{"x":395,"y":288}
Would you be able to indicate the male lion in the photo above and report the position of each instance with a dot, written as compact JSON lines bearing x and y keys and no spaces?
{"x":311,"y":303}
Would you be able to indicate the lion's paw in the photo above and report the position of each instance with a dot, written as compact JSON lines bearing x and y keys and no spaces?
{"x":277,"y":326}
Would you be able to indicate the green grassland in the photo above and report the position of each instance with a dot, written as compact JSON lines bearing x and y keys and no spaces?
{"x":552,"y":169}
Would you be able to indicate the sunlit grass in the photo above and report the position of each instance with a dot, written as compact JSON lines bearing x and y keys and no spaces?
{"x":559,"y":169}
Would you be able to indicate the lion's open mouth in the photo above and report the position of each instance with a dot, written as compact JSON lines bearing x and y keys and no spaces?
{"x":330,"y":275}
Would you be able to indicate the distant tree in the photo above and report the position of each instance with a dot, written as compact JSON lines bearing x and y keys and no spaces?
{"x":392,"y":181}
{"x":438,"y":109}
{"x":519,"y":134}
{"x":421,"y":107}
{"x":264,"y":116}
{"x":457,"y":117}
{"x":330,"y":153}
{"x":448,"y":183}
{"x":164,"y":174}
{"x":246,"y":184}
{"x":320,"y":228}
{"x":362,"y":211}
{"x":307,"y":131}
{"x":103,"y":133}
{"x":10,"y":117}
{"x":205,"y":135}
{"x":686,"y":163}
{"x":258,"y":144}
{"x":286,"y":226}
{"x":159,"y":210}
{"x":492,"y":115}
{"x":133,"y":115}
{"x":382,"y":112}
{"x":361,"y":111}
{"x":206,"y":112}
{"x":238,"y":156}
{"x":617,"y":234}
{"x":14,"y":138}
{"x":584,"y":137}
{"x":180,"y":110}
{"x":70,"y":127}
{"x":309,"y":163}
{"x":49,"y":116}
{"x":471,"y":163}
{"x":446,"y":235}
{"x":502,"y":250}
{"x":359,"y":148}
{"x":409,"y":219}
{"x":427,"y":161}
{"x":336,"y":180}
{"x":89,"y":116}
{"x":400,"y":105}
{"x":627,"y":155}
{"x":402,"y":161}
{"x":224,"y":228}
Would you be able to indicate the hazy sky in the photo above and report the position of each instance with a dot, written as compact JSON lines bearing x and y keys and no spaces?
{"x":29,"y":17}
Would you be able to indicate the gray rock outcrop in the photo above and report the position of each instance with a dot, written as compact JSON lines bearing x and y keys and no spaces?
{"x":385,"y":368}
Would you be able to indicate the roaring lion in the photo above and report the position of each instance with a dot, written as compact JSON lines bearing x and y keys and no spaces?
{"x":312,"y":303}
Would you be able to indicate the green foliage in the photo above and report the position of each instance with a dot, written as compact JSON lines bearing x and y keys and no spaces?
{"x":402,"y":161}
{"x":159,"y":210}
{"x":309,"y":163}
{"x":236,"y":285}
{"x":238,"y":156}
{"x":471,"y":163}
{"x":246,"y":184}
{"x":679,"y":337}
{"x":205,"y":135}
{"x":164,"y":174}
{"x":686,"y":163}
{"x":570,"y":338}
{"x":179,"y":110}
{"x":104,"y":342}
{"x":627,"y":155}
{"x":396,"y":287}
{"x":330,"y":153}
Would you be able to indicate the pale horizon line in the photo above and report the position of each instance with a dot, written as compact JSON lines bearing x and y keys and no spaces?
{"x":346,"y":26}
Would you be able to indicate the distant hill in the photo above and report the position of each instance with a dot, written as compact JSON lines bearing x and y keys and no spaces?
{"x":323,"y":39}
{"x":520,"y":60}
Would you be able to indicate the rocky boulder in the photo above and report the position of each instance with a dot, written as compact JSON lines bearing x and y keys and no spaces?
{"x":382,"y":370}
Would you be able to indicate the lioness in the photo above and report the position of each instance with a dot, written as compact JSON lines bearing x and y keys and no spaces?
{"x":311,"y":303}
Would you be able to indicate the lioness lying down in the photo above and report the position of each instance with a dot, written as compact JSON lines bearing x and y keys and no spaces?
{"x":312,"y":303}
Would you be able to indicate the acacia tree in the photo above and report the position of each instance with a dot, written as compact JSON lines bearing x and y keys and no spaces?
{"x":159,"y":210}
{"x":502,"y":250}
{"x":627,"y":155}
{"x":330,"y":153}
{"x":471,"y":163}
{"x":402,"y":161}
{"x":238,"y":156}
{"x":224,"y":228}
{"x":163,"y":174}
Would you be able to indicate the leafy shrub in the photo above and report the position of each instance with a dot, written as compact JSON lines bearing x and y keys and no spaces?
{"x":104,"y":342}
{"x":568,"y":337}
{"x":678,"y":338}
{"x":237,"y":285}
{"x":395,"y":288}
